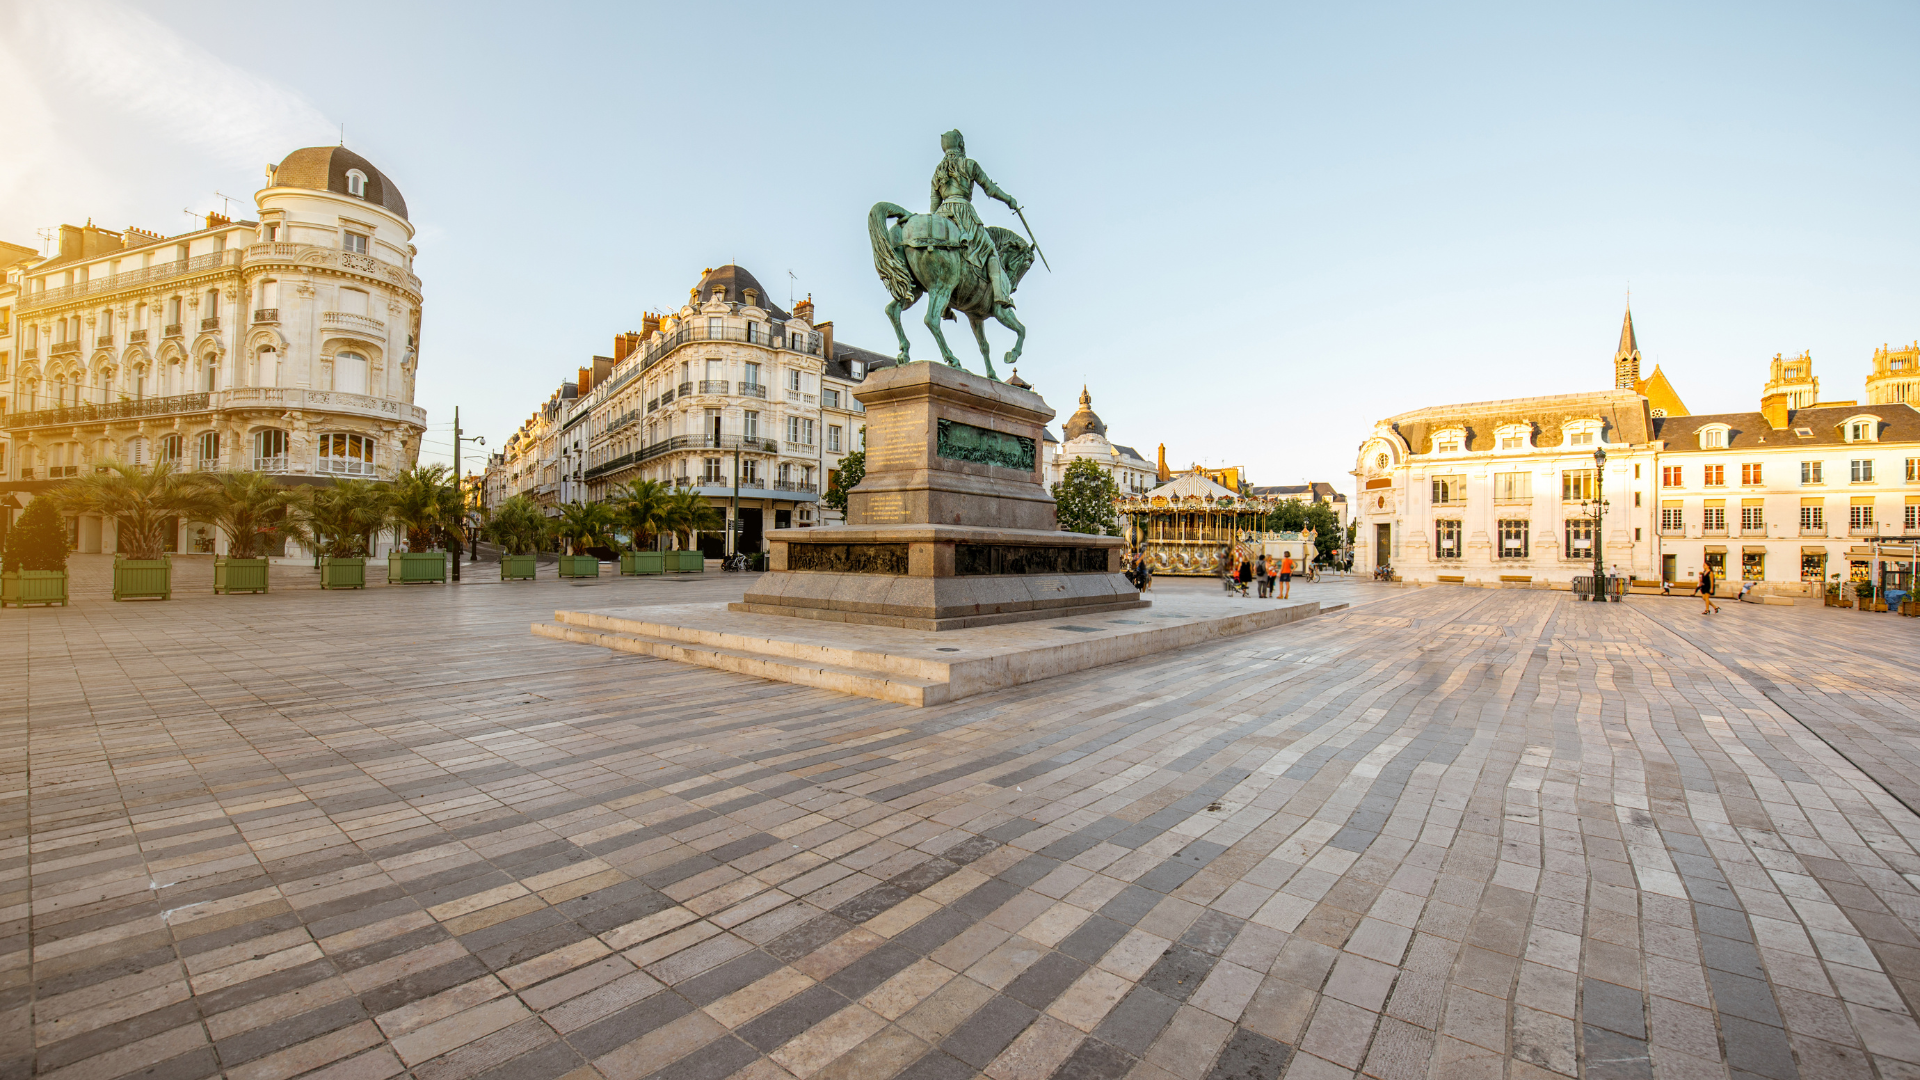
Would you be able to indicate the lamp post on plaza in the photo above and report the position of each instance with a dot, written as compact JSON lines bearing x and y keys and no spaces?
{"x":459,"y":483}
{"x":1595,"y":508}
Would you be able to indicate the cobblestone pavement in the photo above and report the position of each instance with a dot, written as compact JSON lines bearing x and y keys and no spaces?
{"x":1449,"y":832}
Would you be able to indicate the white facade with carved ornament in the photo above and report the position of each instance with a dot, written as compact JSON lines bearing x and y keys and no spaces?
{"x":286,"y":345}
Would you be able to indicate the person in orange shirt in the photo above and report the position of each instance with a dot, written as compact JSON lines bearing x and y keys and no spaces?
{"x":1286,"y":574}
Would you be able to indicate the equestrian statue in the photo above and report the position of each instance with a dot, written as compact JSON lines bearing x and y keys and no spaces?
{"x":948,"y":255}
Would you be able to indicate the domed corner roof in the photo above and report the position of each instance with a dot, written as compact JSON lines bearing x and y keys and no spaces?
{"x":736,"y":280}
{"x":324,"y":168}
{"x":1084,"y":419}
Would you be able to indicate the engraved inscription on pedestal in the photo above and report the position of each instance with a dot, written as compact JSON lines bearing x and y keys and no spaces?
{"x":984,"y":446}
{"x":886,"y":509}
{"x":849,"y":558}
{"x":971,"y":559}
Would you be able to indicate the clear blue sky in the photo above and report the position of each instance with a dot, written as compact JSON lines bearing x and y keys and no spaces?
{"x":1270,"y":225}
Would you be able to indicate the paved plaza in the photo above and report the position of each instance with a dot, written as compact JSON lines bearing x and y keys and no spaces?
{"x":1446,"y":832}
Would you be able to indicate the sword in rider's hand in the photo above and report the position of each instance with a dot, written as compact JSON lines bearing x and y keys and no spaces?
{"x":1036,"y":243}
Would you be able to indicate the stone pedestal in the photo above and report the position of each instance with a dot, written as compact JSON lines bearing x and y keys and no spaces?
{"x":952,"y":526}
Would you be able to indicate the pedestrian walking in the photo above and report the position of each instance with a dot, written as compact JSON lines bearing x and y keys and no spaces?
{"x":1706,"y":593}
{"x":1286,"y":575}
{"x":1261,"y":577}
{"x":1143,"y":572}
{"x":1244,"y":575}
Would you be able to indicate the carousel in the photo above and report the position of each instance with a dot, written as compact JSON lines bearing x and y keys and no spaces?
{"x":1190,"y":526}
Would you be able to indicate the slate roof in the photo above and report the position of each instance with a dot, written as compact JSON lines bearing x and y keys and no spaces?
{"x":1750,"y":430}
{"x":324,"y":168}
{"x":841,"y":366}
{"x":1624,"y":412}
{"x":736,"y":280}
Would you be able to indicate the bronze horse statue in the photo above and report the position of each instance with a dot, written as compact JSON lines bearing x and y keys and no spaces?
{"x":926,"y":254}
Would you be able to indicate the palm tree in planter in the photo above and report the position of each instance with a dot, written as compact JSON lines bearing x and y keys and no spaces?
{"x":147,"y":504}
{"x":252,"y":511}
{"x":584,"y":526}
{"x":687,"y":512}
{"x":426,"y":504}
{"x":640,"y":506}
{"x":340,"y":522}
{"x":518,"y":526}
{"x":34,"y":568}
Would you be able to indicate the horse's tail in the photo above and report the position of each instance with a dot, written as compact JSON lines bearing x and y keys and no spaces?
{"x":886,"y":259}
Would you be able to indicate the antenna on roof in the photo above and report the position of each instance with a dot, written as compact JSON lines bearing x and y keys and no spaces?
{"x":46,"y":238}
{"x":343,"y":134}
{"x":790,"y":280}
{"x":225,"y":204}
{"x":191,"y":216}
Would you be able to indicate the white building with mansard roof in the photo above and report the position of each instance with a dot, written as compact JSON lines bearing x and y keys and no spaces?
{"x":286,"y":345}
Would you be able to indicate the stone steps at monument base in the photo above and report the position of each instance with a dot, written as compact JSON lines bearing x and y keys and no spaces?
{"x":860,"y":682}
{"x":805,"y":652}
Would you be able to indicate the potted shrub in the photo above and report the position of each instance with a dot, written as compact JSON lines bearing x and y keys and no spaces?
{"x":250,"y":509}
{"x":639,"y":506}
{"x":33,"y":569}
{"x":1833,"y":593}
{"x":145,"y":504}
{"x":425,"y":503}
{"x":518,"y":526}
{"x":688,"y":512}
{"x":583,"y":526}
{"x":340,"y":523}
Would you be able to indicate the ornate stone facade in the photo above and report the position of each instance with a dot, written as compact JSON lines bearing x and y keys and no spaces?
{"x":286,"y":345}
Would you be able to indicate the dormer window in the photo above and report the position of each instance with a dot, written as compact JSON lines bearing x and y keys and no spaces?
{"x":1861,"y":429}
{"x":1580,"y":438}
{"x":356,"y":183}
{"x":1714,"y":437}
{"x":1449,"y":441}
{"x":1514,"y":437}
{"x":719,"y":294}
{"x":1450,"y":446}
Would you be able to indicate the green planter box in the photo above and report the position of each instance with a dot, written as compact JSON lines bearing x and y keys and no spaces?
{"x":643,"y":562}
{"x":239,"y":575}
{"x":142,"y":579}
{"x":516,"y":567}
{"x":342,"y":573}
{"x":686,"y":562}
{"x":578,"y":566}
{"x":23,"y":587}
{"x":416,"y":567}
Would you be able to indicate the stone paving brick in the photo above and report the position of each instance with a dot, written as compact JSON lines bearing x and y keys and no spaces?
{"x":1386,"y":842}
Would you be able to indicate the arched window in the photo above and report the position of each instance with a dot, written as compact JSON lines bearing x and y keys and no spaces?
{"x":213,"y":375}
{"x":345,"y":455}
{"x":350,"y":373}
{"x":172,"y":449}
{"x":209,"y":456}
{"x":270,"y":451}
{"x":265,"y":367}
{"x":137,"y":451}
{"x":356,"y":183}
{"x":139,"y":382}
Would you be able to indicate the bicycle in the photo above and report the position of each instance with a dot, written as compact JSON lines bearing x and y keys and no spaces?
{"x":734,"y":563}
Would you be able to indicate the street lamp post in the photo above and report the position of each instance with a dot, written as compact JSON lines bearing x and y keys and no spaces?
{"x":459,"y":483}
{"x":1597,"y":510}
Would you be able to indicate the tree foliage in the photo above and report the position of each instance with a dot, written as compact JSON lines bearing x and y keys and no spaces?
{"x":1296,"y":515}
{"x":585,"y":525}
{"x":852,"y":470}
{"x":251,"y":509}
{"x":426,"y":502}
{"x":341,"y":521}
{"x":518,"y":525}
{"x":638,"y":507}
{"x":144,"y":502}
{"x":38,"y":541}
{"x":1084,"y":499}
{"x":688,"y":512}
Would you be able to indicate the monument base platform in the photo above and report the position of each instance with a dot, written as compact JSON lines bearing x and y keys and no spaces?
{"x":939,"y":577}
{"x":916,"y":667}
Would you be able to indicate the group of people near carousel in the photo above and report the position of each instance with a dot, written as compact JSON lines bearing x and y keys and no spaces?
{"x":1273,"y":578}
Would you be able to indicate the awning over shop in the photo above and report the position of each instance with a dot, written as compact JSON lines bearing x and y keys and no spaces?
{"x":1751,"y":550}
{"x":1808,"y":549}
{"x":1715,"y":550}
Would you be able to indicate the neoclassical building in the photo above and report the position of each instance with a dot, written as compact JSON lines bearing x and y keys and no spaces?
{"x":1086,"y":439}
{"x":730,"y":393}
{"x":286,"y":345}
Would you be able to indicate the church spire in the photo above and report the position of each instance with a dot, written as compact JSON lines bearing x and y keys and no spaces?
{"x":1626,"y":361}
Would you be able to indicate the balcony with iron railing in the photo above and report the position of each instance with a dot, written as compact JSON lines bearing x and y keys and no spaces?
{"x":695,"y":330}
{"x":751,"y":389}
{"x":64,"y":348}
{"x":686,"y":388}
{"x":279,"y":398}
{"x":171,"y":330}
{"x":136,"y":337}
{"x":713,"y":386}
{"x":266,"y":315}
{"x":795,"y":485}
{"x":684,"y":442}
{"x":128,"y":279}
{"x":102,"y":341}
{"x":29,"y":354}
{"x":210,"y":323}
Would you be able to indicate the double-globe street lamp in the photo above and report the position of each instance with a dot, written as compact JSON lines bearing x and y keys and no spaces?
{"x":1595,"y":508}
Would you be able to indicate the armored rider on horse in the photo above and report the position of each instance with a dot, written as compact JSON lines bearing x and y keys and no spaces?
{"x":949,"y":255}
